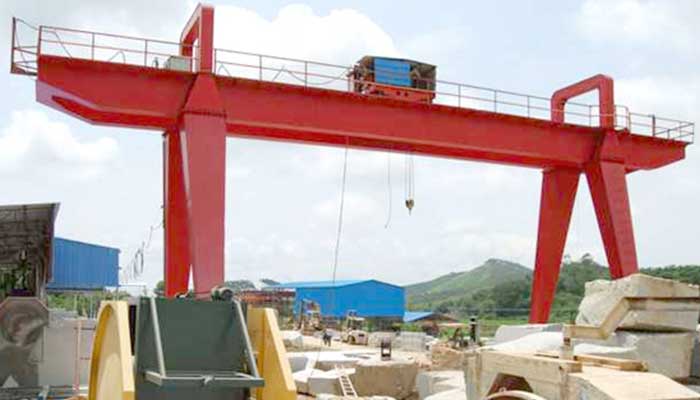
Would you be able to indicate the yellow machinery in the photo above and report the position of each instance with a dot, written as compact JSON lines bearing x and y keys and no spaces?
{"x":185,"y":349}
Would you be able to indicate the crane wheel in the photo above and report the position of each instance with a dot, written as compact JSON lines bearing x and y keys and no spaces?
{"x":111,"y":366}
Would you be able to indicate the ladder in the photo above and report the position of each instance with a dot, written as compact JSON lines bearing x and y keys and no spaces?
{"x":346,"y":387}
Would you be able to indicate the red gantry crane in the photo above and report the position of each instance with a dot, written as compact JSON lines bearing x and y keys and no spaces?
{"x":197,"y":95}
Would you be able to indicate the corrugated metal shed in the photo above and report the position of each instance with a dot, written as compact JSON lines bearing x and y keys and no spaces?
{"x":83,"y":266}
{"x":416,"y":316}
{"x":370,"y":298}
{"x":412,"y":316}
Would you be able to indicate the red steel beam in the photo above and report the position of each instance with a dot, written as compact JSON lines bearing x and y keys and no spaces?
{"x":113,"y":94}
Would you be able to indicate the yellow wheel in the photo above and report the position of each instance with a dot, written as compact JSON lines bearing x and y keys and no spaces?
{"x":111,"y":368}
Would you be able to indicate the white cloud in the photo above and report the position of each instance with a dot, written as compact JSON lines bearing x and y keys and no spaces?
{"x":671,"y":97}
{"x":659,"y":22}
{"x":32,"y":142}
{"x":297,"y":31}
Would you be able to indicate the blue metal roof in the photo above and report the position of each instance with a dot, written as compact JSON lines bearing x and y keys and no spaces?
{"x":317,"y":284}
{"x":412,"y":316}
{"x":83,"y":266}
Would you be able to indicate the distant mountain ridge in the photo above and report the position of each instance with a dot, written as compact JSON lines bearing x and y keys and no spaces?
{"x":500,"y":287}
{"x":456,"y":285}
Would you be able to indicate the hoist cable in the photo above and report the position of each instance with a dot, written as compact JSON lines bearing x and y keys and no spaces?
{"x":340,"y":215}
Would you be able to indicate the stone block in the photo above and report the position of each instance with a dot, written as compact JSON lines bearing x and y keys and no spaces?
{"x":293,"y":340}
{"x":601,"y":296}
{"x":429,"y":383}
{"x":669,"y":354}
{"x":395,"y":378}
{"x":506,"y":333}
{"x":454,"y":394}
{"x":411,"y":341}
{"x":375,"y":338}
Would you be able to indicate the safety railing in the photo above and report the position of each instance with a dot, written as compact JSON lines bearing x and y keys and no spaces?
{"x":28,"y":42}
{"x":338,"y":77}
{"x":163,"y":54}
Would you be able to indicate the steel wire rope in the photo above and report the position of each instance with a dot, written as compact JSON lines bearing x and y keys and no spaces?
{"x":336,"y":251}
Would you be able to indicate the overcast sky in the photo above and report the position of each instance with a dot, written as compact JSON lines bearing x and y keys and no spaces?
{"x":282,"y":199}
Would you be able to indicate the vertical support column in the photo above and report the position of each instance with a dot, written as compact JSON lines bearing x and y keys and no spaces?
{"x":608,"y":185}
{"x":556,"y":205}
{"x":203,"y":139}
{"x":200,"y":27}
{"x":177,"y":251}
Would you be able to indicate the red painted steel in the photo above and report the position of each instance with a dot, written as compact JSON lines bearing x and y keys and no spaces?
{"x":177,"y":242}
{"x":559,"y":188}
{"x":611,"y":202}
{"x":605,"y":173}
{"x":199,"y":109}
{"x":200,"y":28}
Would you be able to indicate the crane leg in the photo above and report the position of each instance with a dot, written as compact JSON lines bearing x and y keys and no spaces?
{"x":203,"y":139}
{"x":556,"y":205}
{"x":608,"y":185}
{"x":177,"y":251}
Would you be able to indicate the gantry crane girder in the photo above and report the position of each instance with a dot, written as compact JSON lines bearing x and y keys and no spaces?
{"x":198,"y":110}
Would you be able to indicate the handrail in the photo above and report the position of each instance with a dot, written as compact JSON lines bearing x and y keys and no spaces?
{"x":243,"y":64}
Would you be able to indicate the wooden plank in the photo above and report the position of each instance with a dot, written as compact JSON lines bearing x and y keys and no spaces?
{"x":601,"y":361}
{"x":543,"y":369}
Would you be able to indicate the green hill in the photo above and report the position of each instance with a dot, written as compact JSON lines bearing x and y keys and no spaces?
{"x":502,"y":288}
{"x":457,"y":285}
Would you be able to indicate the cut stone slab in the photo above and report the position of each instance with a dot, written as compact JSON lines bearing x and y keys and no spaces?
{"x":411,"y":341}
{"x":394,"y":378}
{"x":375,"y":338}
{"x":695,"y":363}
{"x":506,"y":333}
{"x":605,"y":384}
{"x":327,"y":381}
{"x":293,"y":340}
{"x":668,"y":353}
{"x":335,"y":397}
{"x":454,"y":394}
{"x":602,"y":295}
{"x":429,"y":383}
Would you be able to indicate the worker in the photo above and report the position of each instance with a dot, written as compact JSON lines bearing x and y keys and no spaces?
{"x":327,"y":338}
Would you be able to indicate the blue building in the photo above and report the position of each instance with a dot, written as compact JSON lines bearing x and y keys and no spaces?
{"x":83,"y":266}
{"x":370,"y":298}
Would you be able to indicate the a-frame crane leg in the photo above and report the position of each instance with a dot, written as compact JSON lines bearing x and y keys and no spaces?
{"x":177,"y":245}
{"x":204,"y":148}
{"x":556,"y":205}
{"x":608,"y":185}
